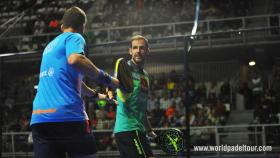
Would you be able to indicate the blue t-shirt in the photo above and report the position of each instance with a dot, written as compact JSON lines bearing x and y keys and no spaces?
{"x":58,"y":97}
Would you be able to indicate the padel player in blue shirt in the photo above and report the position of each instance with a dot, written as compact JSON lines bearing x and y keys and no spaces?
{"x":59,"y":121}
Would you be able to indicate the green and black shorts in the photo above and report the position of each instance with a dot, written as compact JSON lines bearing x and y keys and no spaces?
{"x":133,"y":144}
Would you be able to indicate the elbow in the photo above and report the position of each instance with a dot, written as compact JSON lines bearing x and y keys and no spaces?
{"x":73,"y":59}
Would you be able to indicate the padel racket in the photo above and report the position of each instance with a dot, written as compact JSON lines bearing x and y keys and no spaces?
{"x":171,"y":141}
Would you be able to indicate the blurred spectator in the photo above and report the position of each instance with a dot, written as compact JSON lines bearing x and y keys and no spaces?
{"x":256,"y":83}
{"x":263,"y":111}
{"x":162,"y":81}
{"x":174,"y":76}
{"x":170,"y":86}
{"x":152,"y":102}
{"x":15,"y":127}
{"x":8,"y":47}
{"x":176,"y":98}
{"x":254,"y":138}
{"x":225,"y":89}
{"x":247,"y":93}
{"x":201,"y":91}
{"x":213,"y":90}
{"x":111,"y":113}
{"x":39,"y":26}
{"x":220,"y":112}
{"x":190,"y":96}
{"x":53,"y":25}
{"x":170,"y":111}
{"x":165,"y":102}
{"x":101,"y":116}
{"x":157,"y":116}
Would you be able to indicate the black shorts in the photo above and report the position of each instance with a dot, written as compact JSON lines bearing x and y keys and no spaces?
{"x":56,"y":140}
{"x":133,"y":144}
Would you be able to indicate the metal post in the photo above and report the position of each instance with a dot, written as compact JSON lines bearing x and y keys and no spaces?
{"x":1,"y":79}
{"x":243,"y":27}
{"x":108,"y":35}
{"x":268,"y":25}
{"x":256,"y":136}
{"x":188,"y":103}
{"x":173,"y":29}
{"x":141,"y":30}
{"x":278,"y":20}
{"x":217,"y":138}
{"x":208,"y":30}
{"x":13,"y":145}
{"x":1,"y":96}
{"x":231,"y":95}
{"x":263,"y":138}
{"x":173,"y":34}
{"x":48,"y":38}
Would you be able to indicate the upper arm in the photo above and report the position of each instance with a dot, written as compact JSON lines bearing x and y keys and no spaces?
{"x":75,"y":44}
{"x":74,"y":58}
{"x":148,"y":78}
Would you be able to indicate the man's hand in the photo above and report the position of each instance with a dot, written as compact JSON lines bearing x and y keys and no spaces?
{"x":108,"y":99}
{"x":102,"y":96}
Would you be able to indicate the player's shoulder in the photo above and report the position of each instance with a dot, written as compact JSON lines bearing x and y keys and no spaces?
{"x":77,"y":35}
{"x":145,"y":72}
{"x":73,"y":35}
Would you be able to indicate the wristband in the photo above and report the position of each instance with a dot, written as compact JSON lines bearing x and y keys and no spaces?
{"x":104,"y":78}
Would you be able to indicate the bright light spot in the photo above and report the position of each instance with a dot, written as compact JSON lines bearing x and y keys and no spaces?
{"x":252,"y":63}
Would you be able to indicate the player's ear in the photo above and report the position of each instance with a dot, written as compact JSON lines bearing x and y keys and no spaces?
{"x":148,"y":51}
{"x":62,"y":27}
{"x":130,"y":51}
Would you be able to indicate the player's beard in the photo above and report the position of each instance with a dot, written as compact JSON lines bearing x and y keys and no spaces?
{"x":138,"y":60}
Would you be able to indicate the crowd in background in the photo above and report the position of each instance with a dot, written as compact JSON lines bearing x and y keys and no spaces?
{"x":166,"y":105}
{"x":264,"y":100}
{"x":167,"y":98}
{"x":210,"y":104}
{"x":42,"y":16}
{"x":142,"y":12}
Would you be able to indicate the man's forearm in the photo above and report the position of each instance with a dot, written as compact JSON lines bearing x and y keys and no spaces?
{"x":84,"y":65}
{"x":87,"y":91}
{"x":148,"y":125}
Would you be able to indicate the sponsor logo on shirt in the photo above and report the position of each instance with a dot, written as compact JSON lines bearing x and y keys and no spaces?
{"x":50,"y":46}
{"x":49,"y":72}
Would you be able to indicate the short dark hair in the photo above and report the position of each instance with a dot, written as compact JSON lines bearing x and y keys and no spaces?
{"x":74,"y":17}
{"x":137,"y":37}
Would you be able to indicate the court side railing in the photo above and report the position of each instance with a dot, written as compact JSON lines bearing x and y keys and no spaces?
{"x":18,"y":144}
{"x":232,"y":28}
{"x":232,"y":38}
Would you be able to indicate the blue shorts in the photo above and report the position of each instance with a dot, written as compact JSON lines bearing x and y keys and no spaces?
{"x":58,"y":139}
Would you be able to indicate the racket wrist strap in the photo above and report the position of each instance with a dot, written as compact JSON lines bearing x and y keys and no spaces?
{"x":94,"y":93}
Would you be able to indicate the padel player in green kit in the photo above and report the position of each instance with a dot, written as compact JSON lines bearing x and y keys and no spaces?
{"x":132,"y":123}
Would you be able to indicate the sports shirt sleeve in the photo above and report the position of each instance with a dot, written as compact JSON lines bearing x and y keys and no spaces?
{"x":75,"y":43}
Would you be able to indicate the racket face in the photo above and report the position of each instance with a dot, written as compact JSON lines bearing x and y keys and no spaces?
{"x":171,"y":141}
